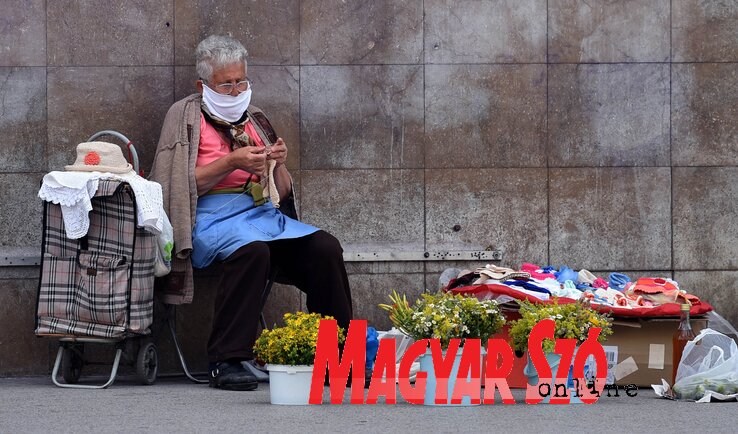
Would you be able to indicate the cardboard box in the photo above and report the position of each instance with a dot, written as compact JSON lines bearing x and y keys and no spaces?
{"x":640,"y":350}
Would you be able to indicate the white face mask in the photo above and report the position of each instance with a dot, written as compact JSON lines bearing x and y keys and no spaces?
{"x":227,"y":107}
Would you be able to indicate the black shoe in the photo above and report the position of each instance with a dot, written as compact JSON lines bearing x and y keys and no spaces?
{"x":232,"y":376}
{"x":261,"y":374}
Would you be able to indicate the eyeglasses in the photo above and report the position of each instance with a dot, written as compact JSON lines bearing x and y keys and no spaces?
{"x":227,"y":88}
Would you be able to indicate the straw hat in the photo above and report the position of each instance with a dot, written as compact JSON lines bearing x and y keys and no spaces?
{"x":100,"y":157}
{"x":501,"y":273}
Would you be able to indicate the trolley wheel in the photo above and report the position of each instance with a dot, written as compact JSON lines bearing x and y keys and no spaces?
{"x":71,"y":363}
{"x":147,"y":363}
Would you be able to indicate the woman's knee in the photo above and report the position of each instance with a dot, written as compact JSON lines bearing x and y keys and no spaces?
{"x":256,"y":252}
{"x":326,"y":243}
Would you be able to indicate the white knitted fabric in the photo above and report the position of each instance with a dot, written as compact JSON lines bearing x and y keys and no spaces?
{"x":271,"y":186}
{"x":149,"y":203}
{"x":74,"y":191}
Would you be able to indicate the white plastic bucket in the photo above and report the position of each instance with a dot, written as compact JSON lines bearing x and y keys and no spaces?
{"x":426,"y":365}
{"x":290,"y":385}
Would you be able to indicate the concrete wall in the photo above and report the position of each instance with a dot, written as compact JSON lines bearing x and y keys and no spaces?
{"x":599,"y":134}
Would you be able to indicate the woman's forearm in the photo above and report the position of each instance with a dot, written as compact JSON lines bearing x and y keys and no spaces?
{"x":283,"y":180}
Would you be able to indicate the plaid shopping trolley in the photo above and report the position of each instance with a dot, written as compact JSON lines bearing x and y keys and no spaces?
{"x":99,"y":288}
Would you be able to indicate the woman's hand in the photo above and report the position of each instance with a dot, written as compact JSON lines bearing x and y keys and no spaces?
{"x":277,"y":152}
{"x":249,"y":158}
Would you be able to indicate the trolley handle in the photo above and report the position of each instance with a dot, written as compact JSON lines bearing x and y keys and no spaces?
{"x":132,"y":154}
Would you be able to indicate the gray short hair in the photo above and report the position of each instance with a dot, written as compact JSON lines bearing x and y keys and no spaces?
{"x":217,"y":51}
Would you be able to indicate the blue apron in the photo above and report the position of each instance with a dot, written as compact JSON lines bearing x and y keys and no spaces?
{"x":226,"y":222}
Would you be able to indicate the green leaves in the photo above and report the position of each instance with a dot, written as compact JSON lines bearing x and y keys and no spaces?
{"x":293,"y":344}
{"x":573,"y":321}
{"x":445,"y":316}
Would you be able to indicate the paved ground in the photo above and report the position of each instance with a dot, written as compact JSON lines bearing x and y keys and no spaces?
{"x":175,"y":405}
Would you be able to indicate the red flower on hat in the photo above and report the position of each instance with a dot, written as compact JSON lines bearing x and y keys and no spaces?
{"x":92,"y":159}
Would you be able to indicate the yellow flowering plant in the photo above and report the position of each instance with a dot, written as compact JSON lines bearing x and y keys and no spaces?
{"x":445,"y":316}
{"x":295,"y":342}
{"x":573,"y":320}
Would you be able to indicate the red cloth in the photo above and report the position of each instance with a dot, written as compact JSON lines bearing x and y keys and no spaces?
{"x":600,"y":283}
{"x":669,"y":309}
{"x":532,"y":269}
{"x":658,"y":290}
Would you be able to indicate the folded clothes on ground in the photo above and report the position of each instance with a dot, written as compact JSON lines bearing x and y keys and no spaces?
{"x":617,"y":291}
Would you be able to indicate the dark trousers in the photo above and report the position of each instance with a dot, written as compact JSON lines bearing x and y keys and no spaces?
{"x":313,"y":263}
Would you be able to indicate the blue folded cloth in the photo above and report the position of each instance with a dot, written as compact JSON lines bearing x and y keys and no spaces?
{"x":526,"y":285}
{"x":618,"y":281}
{"x":548,"y":269}
{"x":565,"y":273}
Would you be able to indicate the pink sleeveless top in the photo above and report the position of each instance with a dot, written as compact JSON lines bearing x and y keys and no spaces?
{"x":213,"y":146}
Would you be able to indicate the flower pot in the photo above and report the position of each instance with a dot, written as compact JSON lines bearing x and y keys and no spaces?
{"x":289,"y":385}
{"x":553,"y":360}
{"x":426,"y":365}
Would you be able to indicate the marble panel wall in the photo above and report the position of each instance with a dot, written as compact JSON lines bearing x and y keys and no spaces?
{"x":598,"y":134}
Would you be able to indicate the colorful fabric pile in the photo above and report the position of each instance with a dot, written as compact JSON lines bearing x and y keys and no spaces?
{"x":647,"y":296}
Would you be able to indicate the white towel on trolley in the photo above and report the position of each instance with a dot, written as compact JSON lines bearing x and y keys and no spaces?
{"x":74,"y":191}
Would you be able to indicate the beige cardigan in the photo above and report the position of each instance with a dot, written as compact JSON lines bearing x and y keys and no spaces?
{"x":174,"y":169}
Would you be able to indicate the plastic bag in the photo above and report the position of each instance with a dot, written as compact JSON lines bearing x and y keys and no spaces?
{"x":716,"y":322}
{"x":402,"y":342}
{"x":709,"y":364}
{"x":164,"y":245}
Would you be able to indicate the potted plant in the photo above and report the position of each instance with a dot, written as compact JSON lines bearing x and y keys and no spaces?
{"x":444,"y":316}
{"x":289,"y":353}
{"x":573,"y":321}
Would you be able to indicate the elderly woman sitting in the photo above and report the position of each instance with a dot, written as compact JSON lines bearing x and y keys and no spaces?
{"x":223,"y":174}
